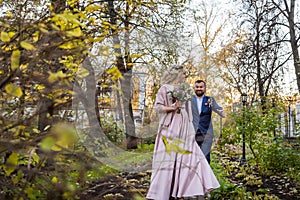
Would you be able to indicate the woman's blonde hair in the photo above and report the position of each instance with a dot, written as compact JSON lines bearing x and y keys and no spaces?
{"x":170,"y":75}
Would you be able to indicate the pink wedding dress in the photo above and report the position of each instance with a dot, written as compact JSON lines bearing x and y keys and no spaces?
{"x":178,"y":174}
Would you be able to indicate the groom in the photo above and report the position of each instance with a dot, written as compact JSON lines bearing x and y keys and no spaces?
{"x":202,"y":107}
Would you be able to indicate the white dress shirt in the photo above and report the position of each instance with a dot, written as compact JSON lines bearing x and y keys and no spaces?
{"x":199,"y":104}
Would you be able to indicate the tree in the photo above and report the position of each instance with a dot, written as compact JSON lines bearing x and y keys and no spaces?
{"x":262,"y":56}
{"x":288,"y":10}
{"x":136,"y":20}
{"x":209,"y":22}
{"x":40,"y":52}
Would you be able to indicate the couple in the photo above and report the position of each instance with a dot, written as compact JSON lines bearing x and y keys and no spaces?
{"x":180,"y":169}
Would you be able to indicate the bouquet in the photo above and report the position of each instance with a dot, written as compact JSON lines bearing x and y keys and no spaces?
{"x":182,"y":93}
{"x":209,"y":102}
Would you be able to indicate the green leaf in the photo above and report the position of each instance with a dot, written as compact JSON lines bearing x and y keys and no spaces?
{"x":27,"y":46}
{"x":11,"y":163}
{"x":5,"y":37}
{"x":13,"y":90}
{"x":47,"y":143}
{"x":35,"y":157}
{"x":30,"y":193}
{"x":15,"y":59}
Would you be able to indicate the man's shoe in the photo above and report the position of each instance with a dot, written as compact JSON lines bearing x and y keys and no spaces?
{"x":207,"y":195}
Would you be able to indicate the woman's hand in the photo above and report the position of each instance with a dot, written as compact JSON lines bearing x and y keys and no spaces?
{"x":175,"y":106}
{"x":178,"y":106}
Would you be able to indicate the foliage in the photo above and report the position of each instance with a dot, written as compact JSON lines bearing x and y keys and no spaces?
{"x":280,"y":157}
{"x":41,"y":51}
{"x":146,"y":147}
{"x":227,"y":190}
{"x":266,"y":154}
{"x":112,"y":130}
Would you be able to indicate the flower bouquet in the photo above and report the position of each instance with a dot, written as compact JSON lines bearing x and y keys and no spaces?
{"x":182,"y":93}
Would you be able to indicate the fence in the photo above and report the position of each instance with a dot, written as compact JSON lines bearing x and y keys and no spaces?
{"x":290,"y":121}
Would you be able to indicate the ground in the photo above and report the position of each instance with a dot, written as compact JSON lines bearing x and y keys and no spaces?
{"x":129,"y":186}
{"x":125,"y":186}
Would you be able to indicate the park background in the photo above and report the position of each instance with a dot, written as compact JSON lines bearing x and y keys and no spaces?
{"x":78,"y":81}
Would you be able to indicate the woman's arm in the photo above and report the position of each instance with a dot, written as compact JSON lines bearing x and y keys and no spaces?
{"x":171,"y":108}
{"x":162,"y":104}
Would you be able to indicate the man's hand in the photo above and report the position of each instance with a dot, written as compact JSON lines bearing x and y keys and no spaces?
{"x":221,"y":113}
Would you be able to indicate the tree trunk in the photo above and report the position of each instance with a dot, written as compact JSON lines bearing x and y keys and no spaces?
{"x":46,"y":108}
{"x":131,"y":140}
{"x":293,"y":40}
{"x":126,"y":82}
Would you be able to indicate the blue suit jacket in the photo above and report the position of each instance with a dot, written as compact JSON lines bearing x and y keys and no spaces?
{"x":202,"y":121}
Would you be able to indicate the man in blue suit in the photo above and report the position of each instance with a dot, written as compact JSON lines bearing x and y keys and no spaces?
{"x":202,"y":107}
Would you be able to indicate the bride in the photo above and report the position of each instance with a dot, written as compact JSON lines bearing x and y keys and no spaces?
{"x":179,"y":168}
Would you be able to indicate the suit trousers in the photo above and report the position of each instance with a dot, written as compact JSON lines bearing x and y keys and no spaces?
{"x":205,"y":140}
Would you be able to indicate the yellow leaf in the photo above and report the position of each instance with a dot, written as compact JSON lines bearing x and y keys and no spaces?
{"x":5,"y":37}
{"x":173,"y":145}
{"x":23,"y":66}
{"x":105,"y":23}
{"x":135,"y":55}
{"x":129,"y":64}
{"x":55,"y":148}
{"x":117,"y":54}
{"x":36,"y":36}
{"x":44,"y":30}
{"x":83,"y":72}
{"x":56,"y":76}
{"x":54,"y":180}
{"x":55,"y":27}
{"x":9,"y":14}
{"x":116,"y":74}
{"x":65,"y":134}
{"x":67,"y":45}
{"x":47,"y":143}
{"x":39,"y":87}
{"x":74,"y":33}
{"x":35,"y":130}
{"x":166,"y":143}
{"x":92,"y":8}
{"x":11,"y":163}
{"x":27,"y":46}
{"x":15,"y":59}
{"x":177,"y":149}
{"x":117,"y":46}
{"x":113,"y":27}
{"x":112,"y":70}
{"x":13,"y":90}
{"x":11,"y":34}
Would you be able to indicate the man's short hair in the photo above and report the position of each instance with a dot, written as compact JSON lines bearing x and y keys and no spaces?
{"x":200,"y":81}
